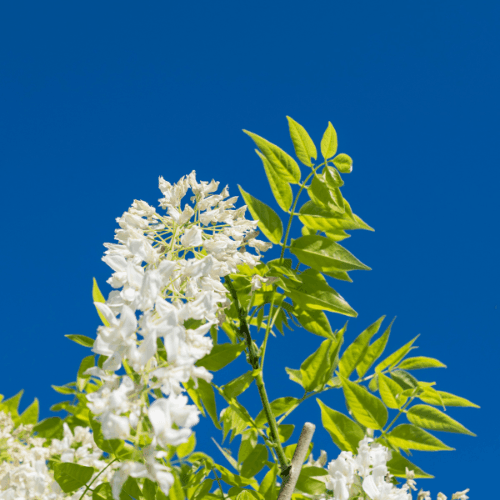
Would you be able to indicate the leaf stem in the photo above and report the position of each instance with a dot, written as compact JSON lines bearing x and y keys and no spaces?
{"x":253,"y":359}
{"x":270,"y":323}
{"x":89,"y":485}
{"x":401,"y":410}
{"x":220,"y":485}
{"x":292,"y":213}
{"x":302,"y":399}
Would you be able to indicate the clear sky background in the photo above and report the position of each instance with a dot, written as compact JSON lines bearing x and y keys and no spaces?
{"x":97,"y":99}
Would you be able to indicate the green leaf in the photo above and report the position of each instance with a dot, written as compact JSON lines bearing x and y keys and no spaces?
{"x":97,"y":296}
{"x":284,"y":432}
{"x":316,"y":369}
{"x":176,"y":492}
{"x":307,"y":482}
{"x":419,"y":362}
{"x":255,"y":461}
{"x":148,"y":489}
{"x":323,"y":196}
{"x":294,"y":375}
{"x":325,"y":255}
{"x":356,"y":352}
{"x":112,"y":446}
{"x":267,"y":487}
{"x":104,"y":492}
{"x":345,"y":433}
{"x":220,"y":356}
{"x":390,"y":392}
{"x":435,"y":420}
{"x":49,"y":428}
{"x":281,"y":161}
{"x":206,"y":393}
{"x":315,"y":293}
{"x":404,"y":379}
{"x":235,"y":418}
{"x":373,"y":352}
{"x":411,"y":437}
{"x":313,"y":321}
{"x":398,"y":464}
{"x":332,"y":177}
{"x":184,"y":449}
{"x":87,"y":362}
{"x":269,"y":221}
{"x":278,"y":407}
{"x":303,"y":144}
{"x":248,"y":442}
{"x":332,"y":184}
{"x":373,"y":384}
{"x":396,"y":357}
{"x":70,"y":476}
{"x":233,"y":480}
{"x":130,"y":490}
{"x":281,"y":189}
{"x":246,"y":495}
{"x":227,"y":455}
{"x":366,"y":408}
{"x":203,"y":489}
{"x":81,"y":339}
{"x":447,"y":399}
{"x":336,"y":236}
{"x":238,"y":385}
{"x":291,"y":448}
{"x":30,"y":415}
{"x":193,"y":394}
{"x":63,"y":389}
{"x":329,"y":142}
{"x":344,"y":163}
{"x":322,"y":219}
{"x":11,"y":405}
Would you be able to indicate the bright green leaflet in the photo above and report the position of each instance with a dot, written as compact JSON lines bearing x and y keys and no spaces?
{"x":269,"y":221}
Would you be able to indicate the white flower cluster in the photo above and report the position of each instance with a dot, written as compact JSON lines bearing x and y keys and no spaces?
{"x":366,"y":475}
{"x":23,"y":461}
{"x":168,"y":294}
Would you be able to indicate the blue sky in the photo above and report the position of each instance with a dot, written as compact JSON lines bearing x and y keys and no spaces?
{"x":100,"y":98}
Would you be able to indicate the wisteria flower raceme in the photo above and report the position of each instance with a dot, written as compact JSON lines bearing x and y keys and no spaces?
{"x":167,"y":271}
{"x":24,"y":473}
{"x":366,"y":475}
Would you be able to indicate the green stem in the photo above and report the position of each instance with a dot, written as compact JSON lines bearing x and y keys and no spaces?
{"x":292,"y":213}
{"x":271,"y":420}
{"x":401,"y":410}
{"x":253,"y":359}
{"x":220,"y":485}
{"x":88,"y":486}
{"x":244,"y":330}
{"x":269,"y":326}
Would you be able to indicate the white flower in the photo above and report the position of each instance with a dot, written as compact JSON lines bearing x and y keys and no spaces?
{"x":134,"y":469}
{"x":461,"y":495}
{"x":167,"y":271}
{"x":424,"y":495}
{"x":163,"y":412}
{"x":115,"y":427}
{"x":192,"y":238}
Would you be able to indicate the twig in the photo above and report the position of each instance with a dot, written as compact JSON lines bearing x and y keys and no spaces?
{"x":299,"y":456}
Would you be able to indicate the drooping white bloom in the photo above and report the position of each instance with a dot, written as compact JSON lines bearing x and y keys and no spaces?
{"x":167,"y":271}
{"x":164,"y":412}
{"x":24,"y":471}
{"x":368,"y":470}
